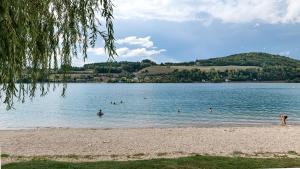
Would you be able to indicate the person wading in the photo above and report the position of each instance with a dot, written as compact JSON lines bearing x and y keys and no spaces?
{"x":283,"y":118}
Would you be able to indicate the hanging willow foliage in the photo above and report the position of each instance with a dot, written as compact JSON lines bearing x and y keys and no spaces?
{"x":39,"y":36}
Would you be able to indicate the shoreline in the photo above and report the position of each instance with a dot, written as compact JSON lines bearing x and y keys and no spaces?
{"x":220,"y":125}
{"x":147,"y":143}
{"x":230,"y":82}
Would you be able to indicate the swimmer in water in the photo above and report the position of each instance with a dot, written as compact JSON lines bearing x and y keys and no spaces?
{"x":100,"y":113}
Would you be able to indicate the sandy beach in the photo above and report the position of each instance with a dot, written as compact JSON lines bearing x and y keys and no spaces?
{"x":145,"y":143}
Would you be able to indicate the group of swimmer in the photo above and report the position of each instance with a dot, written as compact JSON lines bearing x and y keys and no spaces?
{"x":114,"y":103}
{"x":283,"y":116}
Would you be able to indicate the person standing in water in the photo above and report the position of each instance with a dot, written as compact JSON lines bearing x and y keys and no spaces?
{"x":210,"y":109}
{"x":283,"y":118}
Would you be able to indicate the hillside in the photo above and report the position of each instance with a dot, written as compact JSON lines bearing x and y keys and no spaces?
{"x":251,"y":59}
{"x":152,"y":70}
{"x":239,"y":67}
{"x":242,"y":61}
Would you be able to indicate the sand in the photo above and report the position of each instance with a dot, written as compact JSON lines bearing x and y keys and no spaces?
{"x":143,"y":143}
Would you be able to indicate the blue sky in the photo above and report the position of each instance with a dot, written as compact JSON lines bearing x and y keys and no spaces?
{"x":185,"y":30}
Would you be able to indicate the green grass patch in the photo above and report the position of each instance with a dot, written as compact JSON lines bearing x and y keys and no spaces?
{"x":216,"y":68}
{"x":155,"y":70}
{"x":292,"y":153}
{"x":194,"y":162}
{"x":4,"y":155}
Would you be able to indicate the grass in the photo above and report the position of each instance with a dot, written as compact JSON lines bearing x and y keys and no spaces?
{"x":153,"y":70}
{"x":194,"y":162}
{"x":4,"y":155}
{"x":292,"y":153}
{"x":217,"y":68}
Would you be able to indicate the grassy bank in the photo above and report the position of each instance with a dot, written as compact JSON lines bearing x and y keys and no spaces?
{"x":179,"y":163}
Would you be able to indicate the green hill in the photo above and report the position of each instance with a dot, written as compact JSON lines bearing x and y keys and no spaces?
{"x":252,"y":66}
{"x":251,"y":59}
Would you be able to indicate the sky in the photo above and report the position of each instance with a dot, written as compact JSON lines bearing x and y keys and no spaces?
{"x":186,"y":30}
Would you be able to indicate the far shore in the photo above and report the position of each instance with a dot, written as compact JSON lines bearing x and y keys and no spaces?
{"x":208,"y":82}
{"x":146,"y":143}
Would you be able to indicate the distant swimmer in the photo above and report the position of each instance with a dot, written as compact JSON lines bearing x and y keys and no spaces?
{"x":145,"y":97}
{"x":283,"y":118}
{"x":121,"y":101}
{"x":210,"y":109}
{"x":114,"y":103}
{"x":100,"y":113}
{"x":178,"y":111}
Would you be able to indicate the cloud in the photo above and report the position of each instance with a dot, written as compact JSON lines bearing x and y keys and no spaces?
{"x":139,"y":52}
{"x":127,"y":52}
{"x":227,"y":11}
{"x":133,"y":40}
{"x":143,"y":47}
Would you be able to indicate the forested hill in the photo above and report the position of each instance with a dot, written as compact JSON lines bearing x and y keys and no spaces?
{"x":243,"y":59}
{"x":239,"y":67}
{"x":251,"y":59}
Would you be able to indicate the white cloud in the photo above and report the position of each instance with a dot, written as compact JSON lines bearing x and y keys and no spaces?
{"x":144,"y":47}
{"x":227,"y":11}
{"x":126,"y":52}
{"x":133,"y":40}
{"x":293,"y":11}
{"x":139,"y":52}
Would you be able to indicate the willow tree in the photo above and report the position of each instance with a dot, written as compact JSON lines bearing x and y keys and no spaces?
{"x":38,"y":36}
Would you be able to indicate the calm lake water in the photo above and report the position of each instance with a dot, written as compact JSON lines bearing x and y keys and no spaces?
{"x":157,"y":105}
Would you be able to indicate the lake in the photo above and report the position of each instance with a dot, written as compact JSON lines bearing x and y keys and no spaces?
{"x":157,"y":105}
